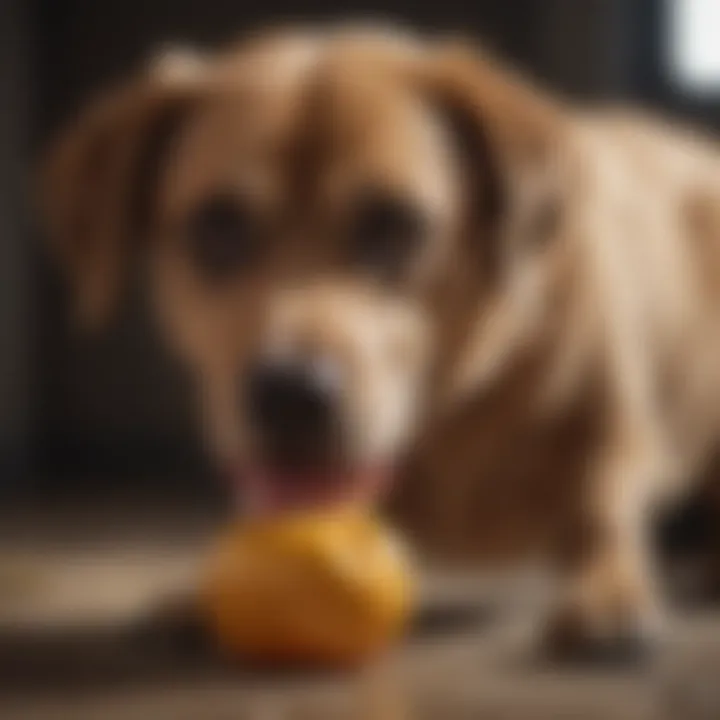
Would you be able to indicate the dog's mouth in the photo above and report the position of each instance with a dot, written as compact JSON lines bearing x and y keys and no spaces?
{"x":269,"y":490}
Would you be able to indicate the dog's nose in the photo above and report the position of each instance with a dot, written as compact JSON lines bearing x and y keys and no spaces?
{"x":292,"y":405}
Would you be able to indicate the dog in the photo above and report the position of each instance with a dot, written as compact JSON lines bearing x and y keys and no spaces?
{"x":401,"y":272}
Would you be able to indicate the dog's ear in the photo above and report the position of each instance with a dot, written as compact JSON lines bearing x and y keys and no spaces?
{"x":514,"y":143}
{"x":98,"y":178}
{"x":509,"y":138}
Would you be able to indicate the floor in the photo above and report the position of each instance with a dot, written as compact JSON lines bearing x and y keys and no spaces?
{"x":82,"y":637}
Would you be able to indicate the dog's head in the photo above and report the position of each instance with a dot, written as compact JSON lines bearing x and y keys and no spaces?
{"x":337,"y":227}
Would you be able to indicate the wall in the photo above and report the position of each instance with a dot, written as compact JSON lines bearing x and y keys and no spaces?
{"x":15,"y":325}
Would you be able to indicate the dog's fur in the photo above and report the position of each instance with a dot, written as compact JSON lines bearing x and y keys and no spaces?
{"x":545,"y":363}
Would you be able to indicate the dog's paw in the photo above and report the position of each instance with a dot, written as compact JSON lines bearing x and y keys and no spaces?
{"x":616,"y":639}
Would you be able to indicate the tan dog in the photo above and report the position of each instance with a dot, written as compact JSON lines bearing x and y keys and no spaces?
{"x":388,"y":256}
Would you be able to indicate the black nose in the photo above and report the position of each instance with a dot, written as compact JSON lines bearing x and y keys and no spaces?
{"x":292,"y":406}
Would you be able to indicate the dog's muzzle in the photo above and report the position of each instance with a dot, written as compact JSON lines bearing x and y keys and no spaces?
{"x":294,"y":409}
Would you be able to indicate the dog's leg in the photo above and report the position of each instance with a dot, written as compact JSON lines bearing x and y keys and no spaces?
{"x":609,"y":608}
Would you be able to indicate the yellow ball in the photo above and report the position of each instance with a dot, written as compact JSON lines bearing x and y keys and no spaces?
{"x":331,"y":589}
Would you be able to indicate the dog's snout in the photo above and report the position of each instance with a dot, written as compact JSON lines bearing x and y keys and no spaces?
{"x":293,"y":405}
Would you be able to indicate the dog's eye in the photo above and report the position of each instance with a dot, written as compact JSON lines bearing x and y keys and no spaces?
{"x":384,"y":234}
{"x":224,"y":237}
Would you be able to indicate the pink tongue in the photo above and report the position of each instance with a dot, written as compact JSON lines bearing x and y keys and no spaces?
{"x":262,"y":492}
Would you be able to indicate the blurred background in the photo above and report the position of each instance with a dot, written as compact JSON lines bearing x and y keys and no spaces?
{"x":112,"y":411}
{"x":101,"y":418}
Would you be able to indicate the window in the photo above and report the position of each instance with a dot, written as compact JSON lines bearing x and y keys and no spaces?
{"x":693,"y":46}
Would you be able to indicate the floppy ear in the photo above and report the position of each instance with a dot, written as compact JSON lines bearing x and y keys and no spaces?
{"x":513,"y":142}
{"x":97,"y":183}
{"x":510,"y":138}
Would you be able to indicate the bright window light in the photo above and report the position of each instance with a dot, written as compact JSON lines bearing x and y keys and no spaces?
{"x":695,"y":45}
